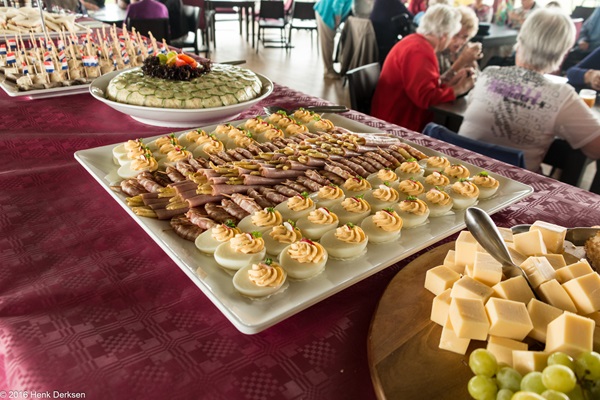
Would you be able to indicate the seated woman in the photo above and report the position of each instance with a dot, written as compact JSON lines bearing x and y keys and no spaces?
{"x":410,"y":78}
{"x":461,"y":53}
{"x":483,"y":11}
{"x":520,"y":14}
{"x":146,"y":9}
{"x":518,"y":107}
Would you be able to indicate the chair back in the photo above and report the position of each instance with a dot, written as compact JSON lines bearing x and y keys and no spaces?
{"x":303,"y":10}
{"x":158,"y":26}
{"x":506,"y":154}
{"x":578,"y":22}
{"x":271,"y":9}
{"x":362,"y":82}
{"x":192,"y":17}
{"x":582,"y":12}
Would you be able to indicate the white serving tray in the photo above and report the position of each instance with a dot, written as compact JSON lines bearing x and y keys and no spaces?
{"x":12,"y":90}
{"x":253,"y":316}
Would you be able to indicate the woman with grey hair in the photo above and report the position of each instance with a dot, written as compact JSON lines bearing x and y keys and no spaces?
{"x":518,"y":107}
{"x":410,"y":78}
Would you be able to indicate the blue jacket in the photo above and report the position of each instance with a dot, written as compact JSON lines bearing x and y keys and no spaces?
{"x":590,"y":31}
{"x":328,"y":9}
{"x":577,"y":72}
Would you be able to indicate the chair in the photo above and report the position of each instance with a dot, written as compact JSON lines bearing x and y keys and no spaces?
{"x":361,"y":83}
{"x":272,"y":16}
{"x":158,"y":26}
{"x":506,"y":154}
{"x":582,"y":12}
{"x":194,"y":18}
{"x":303,"y":18}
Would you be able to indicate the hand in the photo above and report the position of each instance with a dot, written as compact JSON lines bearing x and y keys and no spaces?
{"x":583,"y":45}
{"x":463,"y":81}
{"x":592,"y":79}
{"x":469,"y":55}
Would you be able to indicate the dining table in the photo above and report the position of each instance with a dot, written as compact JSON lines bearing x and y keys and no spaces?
{"x":110,"y":14}
{"x":248,"y":6}
{"x":91,"y":307}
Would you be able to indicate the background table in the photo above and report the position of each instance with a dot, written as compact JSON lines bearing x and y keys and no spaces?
{"x":89,"y":303}
{"x":110,"y":14}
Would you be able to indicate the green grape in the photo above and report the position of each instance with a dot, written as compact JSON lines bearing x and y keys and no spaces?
{"x":587,"y":365}
{"x":483,"y":362}
{"x":482,"y":388}
{"x":504,"y":394}
{"x":527,"y":396}
{"x":559,"y":377}
{"x":560,"y":358}
{"x":554,"y":395}
{"x":532,"y":382}
{"x":594,"y":389}
{"x":576,"y":394}
{"x":509,"y":378}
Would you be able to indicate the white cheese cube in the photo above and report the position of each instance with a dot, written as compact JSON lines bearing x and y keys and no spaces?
{"x":585,"y":292}
{"x":506,"y":233}
{"x":553,"y":235}
{"x":516,"y":289}
{"x":554,"y":294}
{"x":580,"y":268}
{"x":469,"y":319}
{"x":508,"y":318}
{"x":469,"y":288}
{"x":486,"y":269}
{"x":440,"y":307}
{"x":449,"y":341}
{"x":541,"y":314}
{"x":530,"y":243}
{"x":538,"y":270}
{"x":525,"y":361}
{"x":465,"y":249}
{"x":449,"y":262}
{"x":440,"y":278}
{"x":571,"y":334}
{"x":503,"y":348}
{"x":556,"y":260}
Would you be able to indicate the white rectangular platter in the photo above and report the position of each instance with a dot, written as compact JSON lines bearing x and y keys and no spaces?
{"x":252,"y":316}
{"x":12,"y":90}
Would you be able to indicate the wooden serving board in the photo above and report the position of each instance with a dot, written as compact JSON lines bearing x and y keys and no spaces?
{"x":403,"y":353}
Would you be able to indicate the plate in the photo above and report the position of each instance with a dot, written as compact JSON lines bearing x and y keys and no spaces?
{"x":12,"y":90}
{"x":176,"y":118}
{"x":254,"y":316}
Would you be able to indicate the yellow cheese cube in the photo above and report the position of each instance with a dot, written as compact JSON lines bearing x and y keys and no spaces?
{"x":469,"y":319}
{"x":530,"y":243}
{"x":508,"y":318}
{"x":486,"y":269}
{"x":571,"y":334}
{"x":469,"y":288}
{"x":503,"y":348}
{"x":449,"y":262}
{"x":449,"y":341}
{"x":574,"y":270}
{"x":506,"y":233}
{"x":554,"y":294}
{"x":516,"y":289}
{"x":440,"y":278}
{"x":585,"y":292}
{"x":553,"y":235}
{"x":538,"y":270}
{"x":556,"y":260}
{"x":465,"y":249}
{"x":440,"y":307}
{"x":526,"y":361}
{"x":541,"y":315}
{"x":469,"y":271}
{"x":595,"y":316}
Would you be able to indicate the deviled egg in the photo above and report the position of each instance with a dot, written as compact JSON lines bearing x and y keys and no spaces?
{"x":382,"y":227}
{"x":319,"y":221}
{"x":382,"y":197}
{"x":356,"y":186}
{"x":434,"y":163}
{"x":304,"y":259}
{"x":435,"y":179}
{"x":188,"y":139}
{"x":280,"y":236}
{"x":455,"y":172}
{"x":463,"y":193}
{"x":208,"y":241}
{"x":209,"y":147}
{"x":261,"y":220}
{"x":261,"y":279}
{"x":125,"y":152}
{"x":352,"y":209}
{"x":381,"y":176}
{"x":296,"y":207}
{"x":242,"y":250}
{"x":143,"y":163}
{"x":410,"y":169}
{"x":413,"y":211}
{"x":410,"y":187}
{"x":488,"y":185}
{"x":346,"y":242}
{"x":328,"y":195}
{"x":438,"y":201}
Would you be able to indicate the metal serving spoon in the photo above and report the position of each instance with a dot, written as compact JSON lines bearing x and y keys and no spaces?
{"x":318,"y":109}
{"x":486,"y":233}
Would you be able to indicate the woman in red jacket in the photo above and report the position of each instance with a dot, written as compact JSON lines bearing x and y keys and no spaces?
{"x":410,"y":78}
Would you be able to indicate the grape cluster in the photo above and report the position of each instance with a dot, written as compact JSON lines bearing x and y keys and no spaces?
{"x":154,"y":68}
{"x":563,"y":378}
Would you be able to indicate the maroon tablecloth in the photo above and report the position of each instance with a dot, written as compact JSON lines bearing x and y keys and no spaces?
{"x":90,"y":304}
